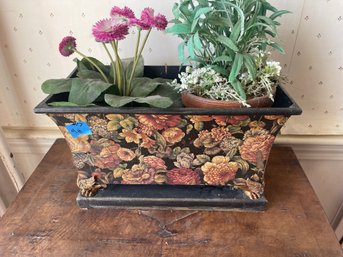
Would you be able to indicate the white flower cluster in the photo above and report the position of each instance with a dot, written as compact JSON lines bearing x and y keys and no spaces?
{"x":208,"y":83}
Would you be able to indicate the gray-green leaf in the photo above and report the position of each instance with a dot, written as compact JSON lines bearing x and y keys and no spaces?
{"x":227,"y":42}
{"x":143,"y":86}
{"x":85,"y":91}
{"x":118,"y":101}
{"x":155,"y":101}
{"x":56,"y":86}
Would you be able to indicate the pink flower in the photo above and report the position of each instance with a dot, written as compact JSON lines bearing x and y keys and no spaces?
{"x":67,"y":46}
{"x":147,"y":16}
{"x":107,"y":30}
{"x":161,"y":22}
{"x":139,"y":23}
{"x":125,"y":12}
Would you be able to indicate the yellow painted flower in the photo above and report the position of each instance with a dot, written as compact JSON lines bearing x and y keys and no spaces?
{"x":126,"y":154}
{"x":114,"y":123}
{"x":131,"y":135}
{"x":219,"y":171}
{"x":173,"y":135}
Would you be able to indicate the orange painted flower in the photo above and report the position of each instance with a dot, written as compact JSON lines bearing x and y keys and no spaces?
{"x":219,"y":133}
{"x":154,"y":162}
{"x":147,"y":142}
{"x":108,"y":158}
{"x":159,"y":121}
{"x":219,"y":171}
{"x":252,"y":145}
{"x":224,"y":120}
{"x":138,"y":175}
{"x":126,"y":154}
{"x":173,"y":135}
{"x":199,"y":118}
{"x":131,"y":135}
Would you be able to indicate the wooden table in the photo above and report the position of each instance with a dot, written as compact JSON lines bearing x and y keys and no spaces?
{"x":45,"y":221}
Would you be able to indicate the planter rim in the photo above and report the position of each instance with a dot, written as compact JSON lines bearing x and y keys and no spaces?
{"x":288,"y":109}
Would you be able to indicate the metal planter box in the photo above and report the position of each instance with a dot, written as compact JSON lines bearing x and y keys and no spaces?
{"x":171,"y":158}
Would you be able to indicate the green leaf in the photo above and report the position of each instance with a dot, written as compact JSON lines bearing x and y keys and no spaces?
{"x":227,"y":42}
{"x":220,"y":70}
{"x":179,"y":29}
{"x":90,"y":66}
{"x":143,"y":86}
{"x":197,"y":16}
{"x":197,"y":41}
{"x":56,"y":86}
{"x":89,"y":74}
{"x":190,"y":47}
{"x":118,"y":101}
{"x":67,"y":104}
{"x":139,"y":71}
{"x":238,"y":88}
{"x":250,"y":64}
{"x":176,"y":11}
{"x":181,"y":52}
{"x":166,"y":90}
{"x":278,"y":13}
{"x":236,"y":31}
{"x":85,"y":91}
{"x":155,"y":101}
{"x":223,"y":58}
{"x":277,"y":47}
{"x":236,"y":67}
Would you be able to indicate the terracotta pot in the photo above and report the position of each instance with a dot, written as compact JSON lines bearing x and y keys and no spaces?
{"x":190,"y":100}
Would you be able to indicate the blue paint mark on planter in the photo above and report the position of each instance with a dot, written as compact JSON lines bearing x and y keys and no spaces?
{"x":79,"y":128}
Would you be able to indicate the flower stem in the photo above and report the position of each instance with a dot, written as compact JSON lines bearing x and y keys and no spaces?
{"x":136,"y":60}
{"x":137,"y":43}
{"x":94,"y":64}
{"x":112,"y":62}
{"x":118,"y":68}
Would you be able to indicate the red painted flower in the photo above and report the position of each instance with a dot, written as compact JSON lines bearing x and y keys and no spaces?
{"x":183,"y":176}
{"x":224,"y":120}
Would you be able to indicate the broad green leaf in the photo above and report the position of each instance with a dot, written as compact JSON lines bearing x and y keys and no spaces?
{"x":220,"y":70}
{"x":118,"y":101}
{"x":165,"y":90}
{"x":89,"y":74}
{"x":236,"y":67}
{"x":179,"y":29}
{"x":277,"y":47}
{"x":197,"y":41}
{"x":67,"y":104}
{"x":238,"y":88}
{"x":155,"y":101}
{"x":278,"y":13}
{"x":139,"y":71}
{"x":190,"y":47}
{"x":251,"y":66}
{"x":85,"y":91}
{"x":223,"y":58}
{"x":227,"y":42}
{"x":56,"y":86}
{"x":143,"y":86}
{"x":90,"y":66}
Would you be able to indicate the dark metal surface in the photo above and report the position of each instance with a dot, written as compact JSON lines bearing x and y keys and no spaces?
{"x":175,"y":197}
{"x":283,"y":104}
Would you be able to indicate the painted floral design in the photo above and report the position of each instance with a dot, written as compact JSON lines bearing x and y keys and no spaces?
{"x":219,"y":171}
{"x":218,"y":150}
{"x":183,"y":176}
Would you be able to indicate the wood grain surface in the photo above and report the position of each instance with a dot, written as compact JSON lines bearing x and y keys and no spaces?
{"x":45,"y":221}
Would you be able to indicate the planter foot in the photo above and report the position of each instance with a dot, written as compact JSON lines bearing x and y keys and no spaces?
{"x":172,"y":197}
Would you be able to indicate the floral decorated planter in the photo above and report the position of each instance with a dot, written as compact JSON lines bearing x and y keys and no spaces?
{"x":171,"y":149}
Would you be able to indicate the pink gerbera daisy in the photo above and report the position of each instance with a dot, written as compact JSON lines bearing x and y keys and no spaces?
{"x":67,"y":46}
{"x":147,"y":16}
{"x":125,"y":12}
{"x":107,"y":30}
{"x":139,"y":23}
{"x":161,"y":22}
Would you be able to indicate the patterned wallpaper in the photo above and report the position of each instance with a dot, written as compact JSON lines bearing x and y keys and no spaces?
{"x":31,"y":30}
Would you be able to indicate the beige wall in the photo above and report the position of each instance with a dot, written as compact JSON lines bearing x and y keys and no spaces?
{"x":313,"y":35}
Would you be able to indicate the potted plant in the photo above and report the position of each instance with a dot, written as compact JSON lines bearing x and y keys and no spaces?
{"x":227,"y":43}
{"x":133,"y":142}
